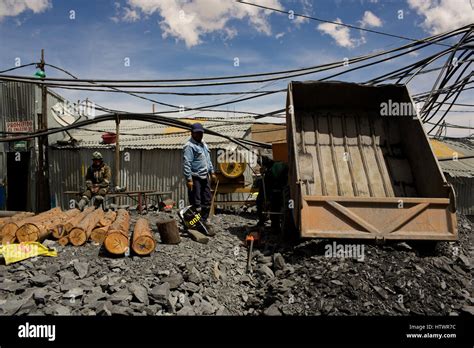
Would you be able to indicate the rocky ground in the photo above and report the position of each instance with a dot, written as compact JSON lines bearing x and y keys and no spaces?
{"x":211,"y":279}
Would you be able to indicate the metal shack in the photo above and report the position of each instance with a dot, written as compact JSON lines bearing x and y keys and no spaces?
{"x":355,"y":173}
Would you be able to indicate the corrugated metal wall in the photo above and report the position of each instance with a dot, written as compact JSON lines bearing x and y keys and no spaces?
{"x":22,"y":102}
{"x":464,"y":188}
{"x":18,"y":103}
{"x":159,"y":170}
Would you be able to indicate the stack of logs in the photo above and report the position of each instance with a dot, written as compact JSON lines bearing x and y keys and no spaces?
{"x":111,"y":229}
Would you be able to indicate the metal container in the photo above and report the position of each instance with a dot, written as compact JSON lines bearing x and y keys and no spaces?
{"x":360,"y":168}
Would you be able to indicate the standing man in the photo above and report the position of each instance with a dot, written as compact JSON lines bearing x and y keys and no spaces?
{"x":197,"y":167}
{"x":97,"y":181}
{"x":271,"y":192}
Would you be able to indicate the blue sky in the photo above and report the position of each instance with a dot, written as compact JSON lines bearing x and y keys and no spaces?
{"x":151,"y":34}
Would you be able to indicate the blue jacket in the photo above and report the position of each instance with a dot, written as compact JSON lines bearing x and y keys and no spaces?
{"x":196,"y":160}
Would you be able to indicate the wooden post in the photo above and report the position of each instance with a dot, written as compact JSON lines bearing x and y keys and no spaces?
{"x":117,"y":200}
{"x":143,"y":242}
{"x":117,"y":151}
{"x":43,"y":202}
{"x":117,"y":239}
{"x":169,"y":232}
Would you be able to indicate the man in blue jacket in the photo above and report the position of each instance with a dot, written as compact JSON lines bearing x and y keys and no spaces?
{"x":197,"y":167}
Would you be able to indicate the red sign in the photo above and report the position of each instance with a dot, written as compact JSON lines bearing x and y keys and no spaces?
{"x":19,"y":126}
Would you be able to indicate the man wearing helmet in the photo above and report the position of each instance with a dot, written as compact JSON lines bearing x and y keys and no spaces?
{"x":97,"y":181}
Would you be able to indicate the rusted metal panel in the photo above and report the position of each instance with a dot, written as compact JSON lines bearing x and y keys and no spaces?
{"x":356,"y":174}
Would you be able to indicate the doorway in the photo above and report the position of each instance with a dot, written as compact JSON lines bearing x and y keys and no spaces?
{"x":18,"y":170}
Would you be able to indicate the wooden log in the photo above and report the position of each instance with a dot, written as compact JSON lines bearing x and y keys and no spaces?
{"x":100,"y":231}
{"x":169,"y":232}
{"x":11,"y":227}
{"x":26,"y":228}
{"x":8,"y":238}
{"x":108,"y":219}
{"x":81,"y":233}
{"x":58,"y":230}
{"x":69,"y":225}
{"x":19,"y":216}
{"x":8,"y":230}
{"x":37,"y":231}
{"x":63,"y":241}
{"x":98,"y":234}
{"x":117,"y":239}
{"x":143,"y":241}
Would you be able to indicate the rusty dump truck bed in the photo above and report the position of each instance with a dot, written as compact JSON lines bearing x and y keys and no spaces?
{"x":357,"y":174}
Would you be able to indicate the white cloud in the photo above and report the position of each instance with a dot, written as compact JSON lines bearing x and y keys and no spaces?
{"x":13,"y":8}
{"x":339,"y":33}
{"x":191,"y":20}
{"x":125,"y":14}
{"x":342,"y":34}
{"x":370,"y":20}
{"x":443,"y":15}
{"x":279,"y":35}
{"x":130,"y":15}
{"x":307,"y":10}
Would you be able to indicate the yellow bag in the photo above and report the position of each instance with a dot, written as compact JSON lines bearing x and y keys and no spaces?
{"x":22,"y":251}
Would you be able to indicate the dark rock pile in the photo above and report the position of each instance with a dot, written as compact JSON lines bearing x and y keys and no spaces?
{"x":210,"y":279}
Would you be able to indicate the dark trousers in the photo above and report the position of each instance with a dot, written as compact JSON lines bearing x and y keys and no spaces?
{"x":89,"y":194}
{"x":200,"y":196}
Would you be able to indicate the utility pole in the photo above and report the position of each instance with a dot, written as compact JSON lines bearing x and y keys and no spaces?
{"x":117,"y":150}
{"x":43,"y":202}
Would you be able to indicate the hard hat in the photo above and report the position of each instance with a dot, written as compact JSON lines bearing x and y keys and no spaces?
{"x":97,"y":156}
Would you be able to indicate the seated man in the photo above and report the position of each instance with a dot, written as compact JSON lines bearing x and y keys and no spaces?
{"x":97,"y":181}
{"x":271,"y":192}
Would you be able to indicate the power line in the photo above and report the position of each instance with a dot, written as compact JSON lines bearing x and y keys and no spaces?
{"x":332,"y":22}
{"x":17,"y":67}
{"x":302,"y":71}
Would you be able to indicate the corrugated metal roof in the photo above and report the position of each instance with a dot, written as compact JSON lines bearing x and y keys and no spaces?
{"x":446,"y":147}
{"x":147,"y":135}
